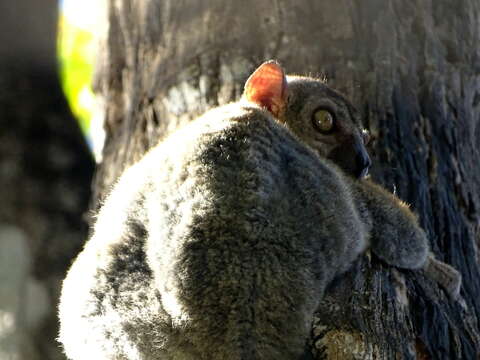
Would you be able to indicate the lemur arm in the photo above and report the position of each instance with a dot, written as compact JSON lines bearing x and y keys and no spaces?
{"x":396,"y":237}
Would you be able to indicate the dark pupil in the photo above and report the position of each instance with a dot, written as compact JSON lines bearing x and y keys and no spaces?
{"x":324,"y":120}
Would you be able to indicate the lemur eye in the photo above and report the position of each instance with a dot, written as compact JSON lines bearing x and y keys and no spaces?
{"x":323,"y":121}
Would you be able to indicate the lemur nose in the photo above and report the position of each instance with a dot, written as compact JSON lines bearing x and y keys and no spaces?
{"x":363,"y":164}
{"x":365,"y":136}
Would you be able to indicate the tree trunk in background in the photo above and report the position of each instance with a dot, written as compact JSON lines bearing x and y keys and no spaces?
{"x":411,"y":68}
{"x":45,"y":177}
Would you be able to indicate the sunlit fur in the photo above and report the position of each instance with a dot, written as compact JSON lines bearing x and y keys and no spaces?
{"x":217,"y":245}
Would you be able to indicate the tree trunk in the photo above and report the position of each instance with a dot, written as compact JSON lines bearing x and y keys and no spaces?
{"x":45,"y":177}
{"x":411,"y":68}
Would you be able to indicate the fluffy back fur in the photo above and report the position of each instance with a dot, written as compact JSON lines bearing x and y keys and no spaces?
{"x":217,"y":245}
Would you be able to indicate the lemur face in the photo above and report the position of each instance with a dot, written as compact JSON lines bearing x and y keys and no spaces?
{"x":316,"y":114}
{"x":328,"y":123}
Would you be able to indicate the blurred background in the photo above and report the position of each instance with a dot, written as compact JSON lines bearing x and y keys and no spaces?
{"x":76,"y":50}
{"x":46,"y":163}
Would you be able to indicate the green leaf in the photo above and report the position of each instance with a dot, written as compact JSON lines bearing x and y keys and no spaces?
{"x":75,"y":51}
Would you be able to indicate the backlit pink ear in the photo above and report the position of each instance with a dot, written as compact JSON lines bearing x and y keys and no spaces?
{"x":267,"y":87}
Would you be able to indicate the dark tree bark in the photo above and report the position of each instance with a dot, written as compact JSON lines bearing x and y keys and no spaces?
{"x":411,"y":68}
{"x":45,"y":179}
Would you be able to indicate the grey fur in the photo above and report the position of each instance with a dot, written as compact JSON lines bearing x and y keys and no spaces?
{"x":396,"y":237}
{"x":346,"y":143}
{"x":220,"y":242}
{"x":207,"y":256}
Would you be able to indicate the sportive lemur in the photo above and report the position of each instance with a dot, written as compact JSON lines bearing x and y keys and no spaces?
{"x":220,"y":242}
{"x":328,"y":123}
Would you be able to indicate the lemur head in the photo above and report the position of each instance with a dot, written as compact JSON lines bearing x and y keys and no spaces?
{"x":316,"y":114}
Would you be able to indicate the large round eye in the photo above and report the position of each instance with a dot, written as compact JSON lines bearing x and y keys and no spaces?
{"x":323,"y":121}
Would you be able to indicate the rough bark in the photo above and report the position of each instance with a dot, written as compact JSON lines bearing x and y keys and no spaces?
{"x":45,"y":177}
{"x":412,"y":69}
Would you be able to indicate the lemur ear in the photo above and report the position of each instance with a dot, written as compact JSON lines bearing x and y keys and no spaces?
{"x":267,"y":87}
